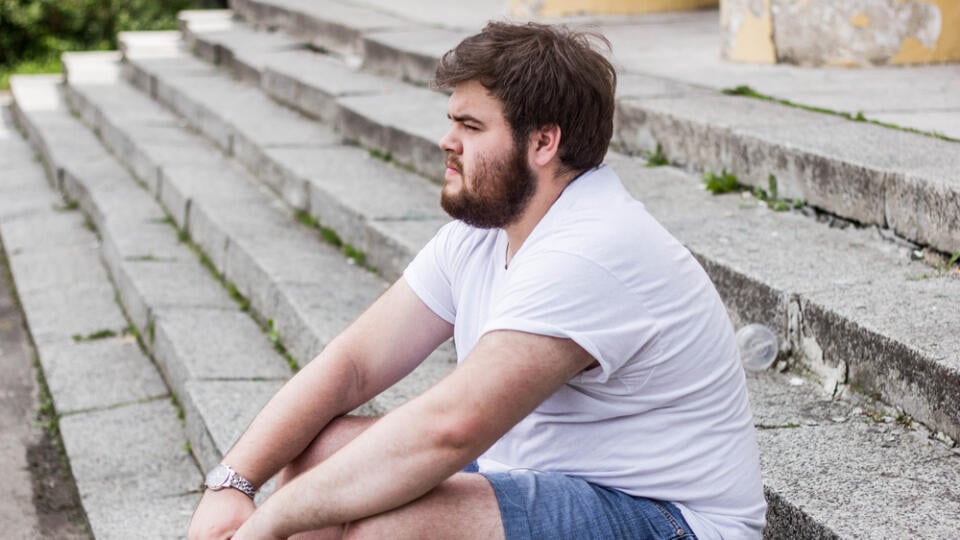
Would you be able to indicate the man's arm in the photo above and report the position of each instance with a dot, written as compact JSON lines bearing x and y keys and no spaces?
{"x":420,"y":444}
{"x":385,"y":343}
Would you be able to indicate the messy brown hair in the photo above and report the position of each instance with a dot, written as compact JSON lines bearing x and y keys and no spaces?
{"x":543,"y":75}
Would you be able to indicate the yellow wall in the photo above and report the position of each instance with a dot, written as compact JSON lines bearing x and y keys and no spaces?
{"x":555,"y":8}
{"x":754,"y":40}
{"x":947,"y":48}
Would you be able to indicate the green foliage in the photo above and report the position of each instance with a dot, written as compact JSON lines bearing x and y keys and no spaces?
{"x":720,"y":183}
{"x":657,"y":158}
{"x":746,"y":91}
{"x":771,"y":196}
{"x":99,"y":334}
{"x":33,"y":33}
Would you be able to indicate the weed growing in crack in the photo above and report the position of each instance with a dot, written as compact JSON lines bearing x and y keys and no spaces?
{"x":771,"y":197}
{"x":723,"y":183}
{"x":657,"y":158}
{"x":68,"y":206}
{"x":746,"y":91}
{"x":382,"y":156}
{"x":94,"y":336}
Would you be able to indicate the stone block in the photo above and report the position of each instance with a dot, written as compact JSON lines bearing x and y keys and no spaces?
{"x":924,"y":209}
{"x":132,"y":455}
{"x":395,"y":243}
{"x":164,"y":517}
{"x":27,"y":204}
{"x":137,"y":240}
{"x":407,"y":134}
{"x":48,"y":230}
{"x":195,"y":344}
{"x":68,"y":267}
{"x":310,"y":314}
{"x":311,"y":82}
{"x":134,"y":452}
{"x":57,"y":314}
{"x":99,"y":374}
{"x":841,"y":166}
{"x":149,"y":286}
{"x":217,"y":413}
{"x":409,"y":55}
{"x":105,"y":191}
{"x":832,"y":467}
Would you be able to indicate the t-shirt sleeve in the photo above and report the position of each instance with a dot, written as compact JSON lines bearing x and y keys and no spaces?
{"x":563,"y":295}
{"x":429,"y":275}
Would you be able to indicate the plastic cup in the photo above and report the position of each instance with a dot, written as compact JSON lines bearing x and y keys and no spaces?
{"x":758,"y":347}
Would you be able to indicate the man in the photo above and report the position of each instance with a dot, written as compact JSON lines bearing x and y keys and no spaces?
{"x":598,"y":392}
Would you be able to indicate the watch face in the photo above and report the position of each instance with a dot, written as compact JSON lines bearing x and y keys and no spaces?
{"x":217,"y":477}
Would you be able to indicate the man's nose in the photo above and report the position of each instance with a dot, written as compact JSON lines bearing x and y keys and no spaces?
{"x":449,"y":143}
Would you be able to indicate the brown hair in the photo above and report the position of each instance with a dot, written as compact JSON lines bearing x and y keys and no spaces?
{"x":544,"y":75}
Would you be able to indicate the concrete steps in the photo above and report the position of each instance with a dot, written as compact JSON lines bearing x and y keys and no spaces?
{"x":800,"y":277}
{"x":199,"y":155}
{"x":760,"y":280}
{"x":119,"y":428}
{"x":842,"y":167}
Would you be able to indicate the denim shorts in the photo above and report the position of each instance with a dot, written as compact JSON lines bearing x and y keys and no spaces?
{"x":535,"y":504}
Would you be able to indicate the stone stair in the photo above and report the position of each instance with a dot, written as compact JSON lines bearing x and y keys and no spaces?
{"x":249,"y":201}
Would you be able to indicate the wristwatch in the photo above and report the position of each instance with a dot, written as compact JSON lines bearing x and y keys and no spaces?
{"x":222,"y":476}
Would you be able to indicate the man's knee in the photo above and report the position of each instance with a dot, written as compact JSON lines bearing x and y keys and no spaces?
{"x":333,"y":437}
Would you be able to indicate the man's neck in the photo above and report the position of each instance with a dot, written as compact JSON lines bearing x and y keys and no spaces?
{"x":547,"y":193}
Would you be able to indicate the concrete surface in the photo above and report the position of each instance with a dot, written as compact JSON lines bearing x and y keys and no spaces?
{"x":779,"y":274}
{"x":763,"y":261}
{"x":830,"y":162}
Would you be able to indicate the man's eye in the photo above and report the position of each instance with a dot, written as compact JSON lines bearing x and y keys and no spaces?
{"x":471,"y":127}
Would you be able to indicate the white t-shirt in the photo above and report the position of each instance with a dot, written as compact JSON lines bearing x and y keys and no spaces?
{"x":665,"y":415}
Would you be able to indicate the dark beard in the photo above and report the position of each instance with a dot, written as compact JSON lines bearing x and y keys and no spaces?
{"x":500,"y":191}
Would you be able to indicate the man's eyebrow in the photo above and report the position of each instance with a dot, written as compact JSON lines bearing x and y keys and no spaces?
{"x":464,"y":118}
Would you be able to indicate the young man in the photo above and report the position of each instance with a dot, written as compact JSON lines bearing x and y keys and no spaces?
{"x":598,"y":392}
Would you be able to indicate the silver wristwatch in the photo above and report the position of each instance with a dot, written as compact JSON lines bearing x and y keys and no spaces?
{"x":222,"y":476}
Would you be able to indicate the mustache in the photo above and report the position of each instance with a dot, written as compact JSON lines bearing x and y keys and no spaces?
{"x":454,"y":163}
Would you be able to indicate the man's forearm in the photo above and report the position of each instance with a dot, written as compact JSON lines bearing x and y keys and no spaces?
{"x":322,"y":390}
{"x":423,"y":442}
{"x":393,"y":462}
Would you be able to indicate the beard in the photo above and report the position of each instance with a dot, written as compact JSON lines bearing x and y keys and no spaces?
{"x":497,"y":193}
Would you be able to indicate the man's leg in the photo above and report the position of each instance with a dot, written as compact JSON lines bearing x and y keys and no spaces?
{"x":463,"y":506}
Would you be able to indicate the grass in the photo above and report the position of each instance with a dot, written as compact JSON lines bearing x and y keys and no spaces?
{"x":30,"y":67}
{"x":771,"y":196}
{"x":657,"y":158}
{"x":721,"y":183}
{"x":274,"y":336}
{"x":746,"y":91}
{"x":330,"y":236}
{"x":942,"y":269}
{"x":94,"y":336}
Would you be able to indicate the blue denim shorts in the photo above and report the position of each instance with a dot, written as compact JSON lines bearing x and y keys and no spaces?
{"x":554,"y":506}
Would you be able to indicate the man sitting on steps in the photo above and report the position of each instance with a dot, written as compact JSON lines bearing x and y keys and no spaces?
{"x":599,"y":392}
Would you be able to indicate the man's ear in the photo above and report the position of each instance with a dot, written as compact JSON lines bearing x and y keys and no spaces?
{"x":544,"y":144}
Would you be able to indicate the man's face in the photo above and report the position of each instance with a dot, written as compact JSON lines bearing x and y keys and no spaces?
{"x":488,"y":181}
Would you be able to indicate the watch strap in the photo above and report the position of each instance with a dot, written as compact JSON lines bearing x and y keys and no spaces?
{"x":242,"y":484}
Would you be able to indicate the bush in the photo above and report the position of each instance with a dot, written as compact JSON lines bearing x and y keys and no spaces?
{"x":32,"y":30}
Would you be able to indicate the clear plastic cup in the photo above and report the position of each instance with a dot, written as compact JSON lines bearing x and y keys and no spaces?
{"x":758,"y":347}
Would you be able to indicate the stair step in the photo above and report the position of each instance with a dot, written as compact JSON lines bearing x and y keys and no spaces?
{"x":753,"y":255}
{"x":288,"y":275}
{"x":760,"y":281}
{"x":119,"y":430}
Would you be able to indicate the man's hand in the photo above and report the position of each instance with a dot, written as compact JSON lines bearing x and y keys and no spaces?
{"x":220,"y":514}
{"x":256,"y":528}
